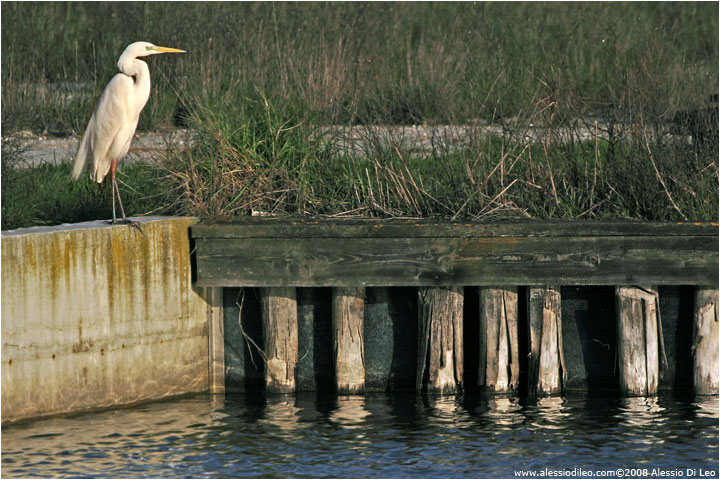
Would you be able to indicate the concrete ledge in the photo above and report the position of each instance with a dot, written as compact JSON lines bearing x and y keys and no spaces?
{"x":95,"y":315}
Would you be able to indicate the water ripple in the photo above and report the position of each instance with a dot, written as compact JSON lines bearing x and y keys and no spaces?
{"x":364,"y":436}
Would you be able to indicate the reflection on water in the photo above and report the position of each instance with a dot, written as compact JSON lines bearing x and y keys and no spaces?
{"x":350,"y":412}
{"x":641,"y":413}
{"x":366,"y":436}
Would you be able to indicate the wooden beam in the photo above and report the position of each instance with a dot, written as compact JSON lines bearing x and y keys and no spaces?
{"x":440,"y":346}
{"x":705,"y":341}
{"x":280,"y":333}
{"x":348,"y":306}
{"x":277,"y":227}
{"x":402,"y":253}
{"x":546,"y":364}
{"x":216,"y":339}
{"x":499,"y":367}
{"x":639,"y":337}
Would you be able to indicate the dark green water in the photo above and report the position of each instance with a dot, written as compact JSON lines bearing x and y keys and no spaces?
{"x":373,"y":436}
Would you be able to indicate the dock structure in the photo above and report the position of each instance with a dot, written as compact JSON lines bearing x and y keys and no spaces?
{"x":97,"y":315}
{"x":488,"y":308}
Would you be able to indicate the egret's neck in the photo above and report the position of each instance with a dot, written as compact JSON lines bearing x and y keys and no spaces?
{"x":140,"y":72}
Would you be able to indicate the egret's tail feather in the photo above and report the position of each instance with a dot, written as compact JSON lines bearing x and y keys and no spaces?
{"x":80,"y":158}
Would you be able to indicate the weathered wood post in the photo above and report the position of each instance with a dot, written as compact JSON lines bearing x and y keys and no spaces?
{"x":639,"y":340}
{"x":348,"y":307}
{"x":499,"y":359}
{"x":705,"y":341}
{"x":440,"y":332}
{"x":216,"y":339}
{"x":546,"y":361}
{"x":280,"y":332}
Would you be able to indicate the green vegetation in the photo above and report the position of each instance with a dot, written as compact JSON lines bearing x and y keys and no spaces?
{"x":363,"y":63}
{"x":45,"y":194}
{"x":257,"y":160}
{"x":259,"y":81}
{"x":251,"y":159}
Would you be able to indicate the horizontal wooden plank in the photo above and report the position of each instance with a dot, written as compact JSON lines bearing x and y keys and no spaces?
{"x":460,"y":260}
{"x":262,"y":227}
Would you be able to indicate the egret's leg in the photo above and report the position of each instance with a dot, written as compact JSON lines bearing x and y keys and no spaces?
{"x":117,"y":190}
{"x":112,"y":188}
{"x":113,"y":166}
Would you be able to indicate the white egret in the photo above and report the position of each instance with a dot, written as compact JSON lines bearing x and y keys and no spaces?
{"x":112,"y":125}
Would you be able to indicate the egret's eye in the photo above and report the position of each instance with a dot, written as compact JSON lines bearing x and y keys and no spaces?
{"x":149,"y":48}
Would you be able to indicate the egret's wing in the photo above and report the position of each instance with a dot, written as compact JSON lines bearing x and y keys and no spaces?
{"x":108,"y":118}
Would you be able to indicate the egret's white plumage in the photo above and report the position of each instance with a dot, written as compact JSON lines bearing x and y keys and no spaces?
{"x":112,"y":125}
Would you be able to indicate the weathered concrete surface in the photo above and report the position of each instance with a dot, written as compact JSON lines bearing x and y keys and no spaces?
{"x":95,"y":315}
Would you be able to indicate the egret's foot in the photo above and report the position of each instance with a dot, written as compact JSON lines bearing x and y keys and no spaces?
{"x":125,"y":221}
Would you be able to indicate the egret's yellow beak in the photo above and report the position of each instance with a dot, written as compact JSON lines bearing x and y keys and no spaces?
{"x":167,"y":50}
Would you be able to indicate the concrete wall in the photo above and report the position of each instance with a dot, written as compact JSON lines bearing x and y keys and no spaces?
{"x":95,"y":315}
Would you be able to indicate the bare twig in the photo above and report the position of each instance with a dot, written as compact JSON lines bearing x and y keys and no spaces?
{"x":659,"y":177}
{"x":248,"y":340}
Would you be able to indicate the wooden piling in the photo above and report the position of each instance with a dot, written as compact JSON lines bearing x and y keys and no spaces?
{"x":280,"y":332}
{"x":546,"y":363}
{"x":216,"y":339}
{"x":348,"y":307}
{"x":499,"y":362}
{"x":705,"y":341}
{"x":639,"y":340}
{"x":440,"y":332}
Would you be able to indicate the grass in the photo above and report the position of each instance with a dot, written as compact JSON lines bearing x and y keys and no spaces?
{"x":256,"y":158}
{"x":46,"y":195}
{"x":364,"y":63}
{"x":267,"y":161}
{"x":259,"y":82}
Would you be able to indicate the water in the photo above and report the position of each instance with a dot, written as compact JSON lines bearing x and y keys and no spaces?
{"x":371,"y":436}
